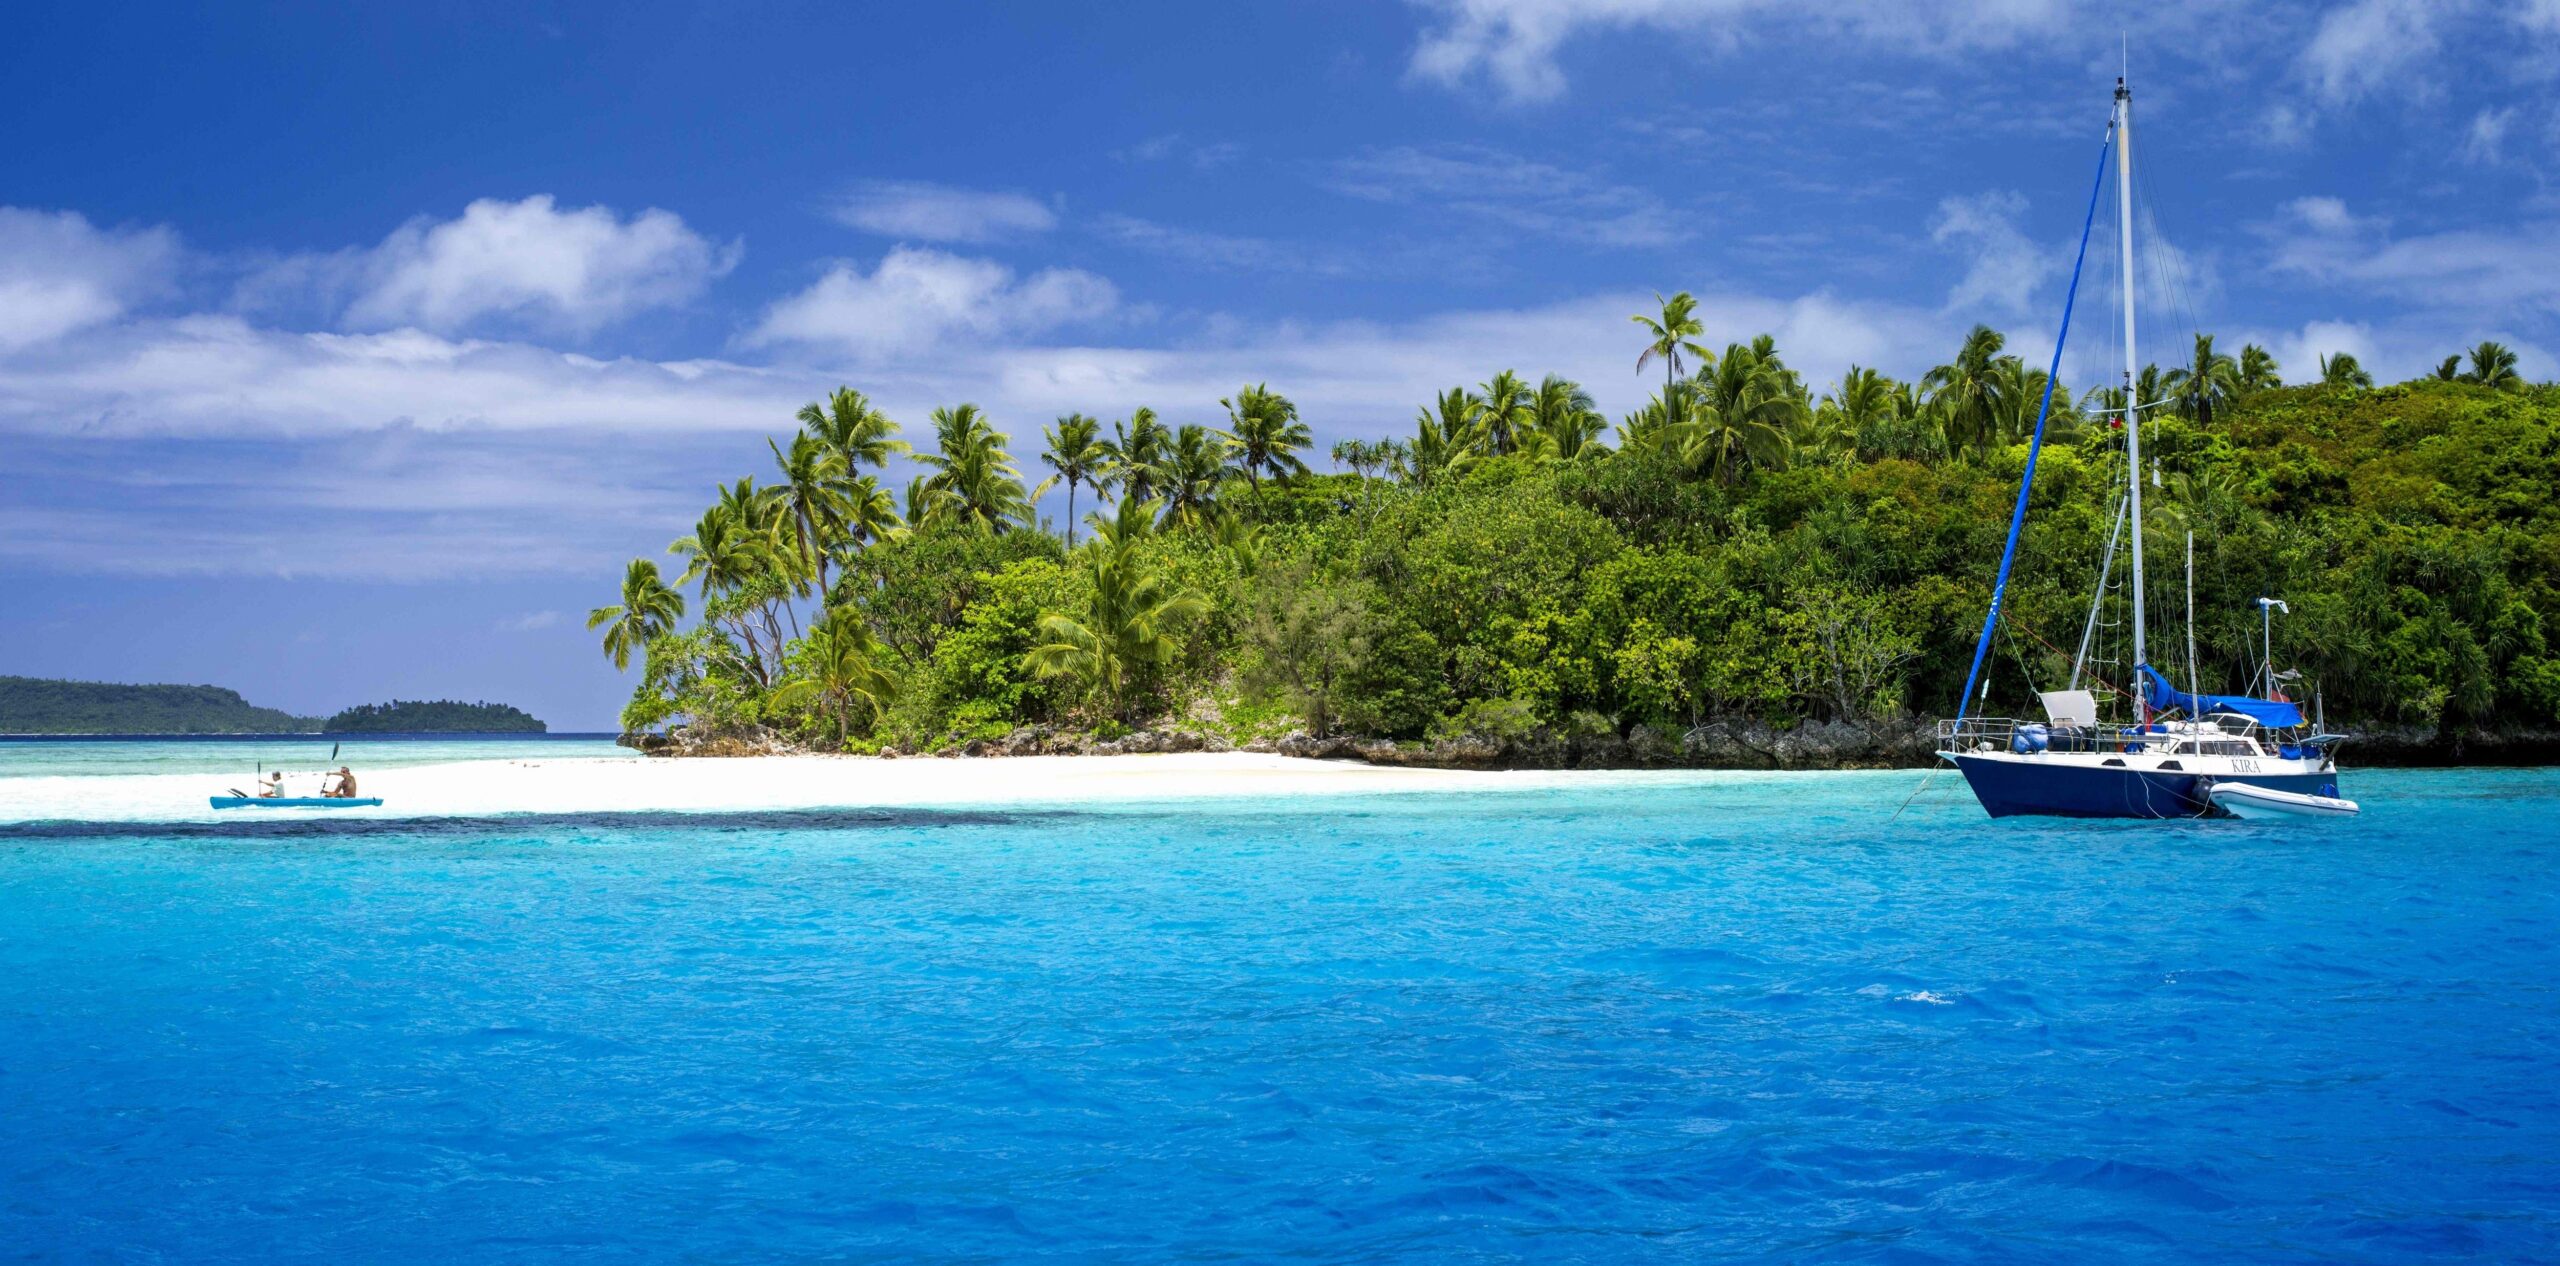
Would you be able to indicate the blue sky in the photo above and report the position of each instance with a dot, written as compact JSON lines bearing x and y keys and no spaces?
{"x":346,"y":350}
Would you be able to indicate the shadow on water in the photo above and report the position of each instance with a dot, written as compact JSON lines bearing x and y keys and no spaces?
{"x":518,"y":825}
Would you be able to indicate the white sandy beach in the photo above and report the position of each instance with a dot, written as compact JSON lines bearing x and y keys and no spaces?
{"x":592,"y":785}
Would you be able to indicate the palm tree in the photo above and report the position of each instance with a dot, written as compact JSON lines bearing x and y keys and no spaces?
{"x":1264,"y":433}
{"x":732,"y":551}
{"x":1564,"y":421}
{"x":2449,"y":369}
{"x":1137,"y":455}
{"x":812,"y":500}
{"x":2022,"y":399}
{"x":974,"y":472}
{"x":1742,"y":415}
{"x":648,"y":610}
{"x":858,"y":433}
{"x":727,"y":549}
{"x":1365,"y":459}
{"x":1077,"y":451}
{"x":1966,"y":392}
{"x":1194,"y":465}
{"x":926,"y":504}
{"x":838,"y":668}
{"x":1503,"y":413}
{"x":1673,"y":333}
{"x":2494,"y":365}
{"x":1860,"y":407}
{"x":1125,"y":633}
{"x":870,"y":513}
{"x":2206,"y":386}
{"x":2257,"y":368}
{"x":2341,"y":370}
{"x":1444,"y":438}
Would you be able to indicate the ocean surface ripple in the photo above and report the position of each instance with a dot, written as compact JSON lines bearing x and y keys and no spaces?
{"x":1741,"y":1019}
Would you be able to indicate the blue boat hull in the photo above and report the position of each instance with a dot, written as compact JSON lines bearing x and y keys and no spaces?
{"x":295,"y":802}
{"x":2016,"y":788}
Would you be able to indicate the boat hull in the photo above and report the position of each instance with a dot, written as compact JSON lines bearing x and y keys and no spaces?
{"x":295,"y":802}
{"x":2047,"y":788}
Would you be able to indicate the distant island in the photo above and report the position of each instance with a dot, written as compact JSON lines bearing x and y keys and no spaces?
{"x":36,"y":705}
{"x":440,"y":716}
{"x":39,"y":705}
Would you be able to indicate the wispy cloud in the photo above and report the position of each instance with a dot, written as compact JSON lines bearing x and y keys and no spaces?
{"x":1512,"y":45}
{"x":2488,"y":273}
{"x":920,"y":211}
{"x":2003,"y":268}
{"x":1226,"y":251}
{"x":1505,"y":189}
{"x":1175,"y":147}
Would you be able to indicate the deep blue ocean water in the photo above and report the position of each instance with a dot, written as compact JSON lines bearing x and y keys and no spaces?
{"x":1733,"y":1018}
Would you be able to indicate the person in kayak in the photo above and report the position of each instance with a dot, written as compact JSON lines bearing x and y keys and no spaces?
{"x":345,"y":789}
{"x":272,"y":787}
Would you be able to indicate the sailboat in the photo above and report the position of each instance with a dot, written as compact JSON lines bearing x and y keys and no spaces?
{"x":2182,"y":753}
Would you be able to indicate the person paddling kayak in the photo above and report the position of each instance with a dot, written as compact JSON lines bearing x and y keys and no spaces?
{"x":343,"y":789}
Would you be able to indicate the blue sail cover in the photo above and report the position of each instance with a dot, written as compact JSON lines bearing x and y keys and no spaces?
{"x":2267,"y":712}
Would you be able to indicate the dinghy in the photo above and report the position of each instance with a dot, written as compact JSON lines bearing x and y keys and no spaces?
{"x":2247,"y":800}
{"x":295,"y":802}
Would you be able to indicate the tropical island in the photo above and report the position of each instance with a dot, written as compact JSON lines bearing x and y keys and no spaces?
{"x":38,"y":705}
{"x":1748,"y":570}
{"x":439,"y":716}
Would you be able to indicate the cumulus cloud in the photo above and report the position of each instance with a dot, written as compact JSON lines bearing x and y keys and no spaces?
{"x":1512,"y":44}
{"x":916,"y":210}
{"x":918,"y":298}
{"x":59,"y":273}
{"x":528,"y":262}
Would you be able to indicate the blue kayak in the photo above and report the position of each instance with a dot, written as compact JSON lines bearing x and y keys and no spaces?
{"x":295,"y":802}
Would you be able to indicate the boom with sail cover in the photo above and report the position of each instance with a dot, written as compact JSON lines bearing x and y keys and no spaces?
{"x":2275,"y":714}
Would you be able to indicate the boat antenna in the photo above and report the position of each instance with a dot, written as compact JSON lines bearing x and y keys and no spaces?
{"x":2132,"y":407}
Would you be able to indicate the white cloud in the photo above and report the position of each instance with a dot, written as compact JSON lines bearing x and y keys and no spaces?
{"x":2478,"y":271}
{"x":1512,"y":44}
{"x":1204,"y":156}
{"x":921,"y":211}
{"x":212,"y":376}
{"x":2485,"y":143}
{"x":1228,"y":251}
{"x":59,"y":273}
{"x":2004,"y":267}
{"x":2361,"y":48}
{"x":532,"y":622}
{"x":918,"y":298}
{"x":1519,"y":193}
{"x":530,"y":262}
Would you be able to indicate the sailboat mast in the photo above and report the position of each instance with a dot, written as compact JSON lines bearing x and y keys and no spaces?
{"x":2132,"y":414}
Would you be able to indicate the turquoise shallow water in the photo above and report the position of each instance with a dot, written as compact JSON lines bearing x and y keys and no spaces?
{"x":1731,"y":1018}
{"x":242,"y":756}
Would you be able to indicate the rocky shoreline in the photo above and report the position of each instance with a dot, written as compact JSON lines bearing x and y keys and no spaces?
{"x":1721,"y":745}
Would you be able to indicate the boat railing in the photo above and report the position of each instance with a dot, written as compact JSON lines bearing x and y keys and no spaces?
{"x":2009,"y":734}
